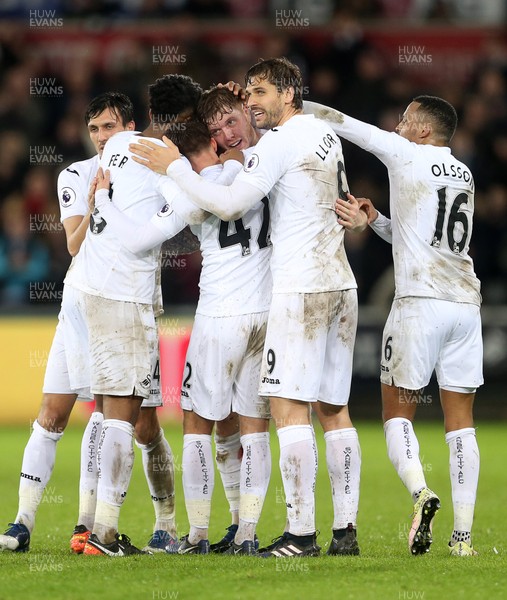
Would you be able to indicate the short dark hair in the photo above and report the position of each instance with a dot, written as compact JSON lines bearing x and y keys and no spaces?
{"x":216,"y":102}
{"x":281,"y":73}
{"x":118,"y":103}
{"x":442,"y":112}
{"x":190,"y":137}
{"x":172,"y":94}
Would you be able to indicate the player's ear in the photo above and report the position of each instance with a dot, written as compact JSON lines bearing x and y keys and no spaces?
{"x":424,"y":125}
{"x":289,"y":94}
{"x":131,"y":126}
{"x":214,"y":144}
{"x":426,"y":130}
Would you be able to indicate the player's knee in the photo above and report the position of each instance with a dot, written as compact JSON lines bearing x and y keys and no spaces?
{"x":332,"y":416}
{"x":195,"y":424}
{"x":147,"y":426}
{"x":228,"y":426}
{"x":55,"y":412}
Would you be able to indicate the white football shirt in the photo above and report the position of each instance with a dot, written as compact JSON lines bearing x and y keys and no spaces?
{"x":73,"y":186}
{"x":432,"y":205}
{"x":299,"y":165}
{"x":235,"y":276}
{"x":107,"y":268}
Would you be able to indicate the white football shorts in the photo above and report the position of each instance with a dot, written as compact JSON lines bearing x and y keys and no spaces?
{"x":68,"y":368}
{"x":222,"y":367}
{"x":309,"y":347}
{"x":423,"y":335}
{"x":155,"y":397}
{"x":123,"y":342}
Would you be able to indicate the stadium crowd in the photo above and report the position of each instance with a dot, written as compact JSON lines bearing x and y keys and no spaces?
{"x":471,"y":10}
{"x":40,"y":134}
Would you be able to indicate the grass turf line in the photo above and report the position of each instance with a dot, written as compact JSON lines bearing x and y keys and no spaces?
{"x":384,"y":570}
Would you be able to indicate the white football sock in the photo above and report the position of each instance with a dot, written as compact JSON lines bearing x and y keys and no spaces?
{"x":36,"y":468}
{"x":89,"y":472}
{"x":159,"y":470}
{"x":343,"y":457}
{"x":298,"y":465}
{"x":115,"y":459}
{"x":255,"y":473}
{"x":403,"y":452}
{"x":228,"y":453}
{"x":198,"y":483}
{"x":464,"y":463}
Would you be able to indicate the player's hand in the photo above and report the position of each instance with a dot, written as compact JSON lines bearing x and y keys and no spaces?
{"x":103,"y":180}
{"x":102,"y":188}
{"x":235,"y":88}
{"x":232,"y":154}
{"x":350,"y":215}
{"x":91,"y":194}
{"x":367,"y":205}
{"x":155,"y":157}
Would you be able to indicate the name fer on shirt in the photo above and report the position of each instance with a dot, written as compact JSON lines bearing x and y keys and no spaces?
{"x":114,"y":159}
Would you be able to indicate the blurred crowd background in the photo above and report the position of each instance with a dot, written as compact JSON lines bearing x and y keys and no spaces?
{"x":368,"y":58}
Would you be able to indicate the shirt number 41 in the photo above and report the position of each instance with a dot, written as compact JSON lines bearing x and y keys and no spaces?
{"x":242,"y":235}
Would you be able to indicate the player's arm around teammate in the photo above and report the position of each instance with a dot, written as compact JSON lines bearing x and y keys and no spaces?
{"x":230,"y":126}
{"x":434,"y":323}
{"x":222,"y":368}
{"x":123,"y":344}
{"x":282,"y":161}
{"x":66,"y":375}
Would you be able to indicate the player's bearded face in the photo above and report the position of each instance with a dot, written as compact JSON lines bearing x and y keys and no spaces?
{"x":103,"y":126}
{"x":265,"y":102}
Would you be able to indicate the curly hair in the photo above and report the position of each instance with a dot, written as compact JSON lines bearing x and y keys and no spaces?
{"x":171,"y":95}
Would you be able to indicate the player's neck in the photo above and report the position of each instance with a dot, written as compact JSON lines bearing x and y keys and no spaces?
{"x":431,"y":141}
{"x":156,"y":130}
{"x":288,"y":113}
{"x":254,"y":137}
{"x":202,"y":160}
{"x":153,"y":132}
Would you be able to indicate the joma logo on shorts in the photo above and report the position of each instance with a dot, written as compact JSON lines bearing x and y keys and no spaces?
{"x":270,"y":380}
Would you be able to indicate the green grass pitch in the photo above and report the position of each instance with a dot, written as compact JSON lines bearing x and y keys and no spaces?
{"x":385,"y":570}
